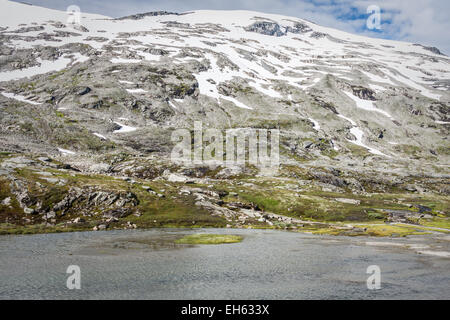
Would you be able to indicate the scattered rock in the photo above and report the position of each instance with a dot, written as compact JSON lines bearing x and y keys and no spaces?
{"x":100,"y":168}
{"x":117,"y":213}
{"x":6,"y":201}
{"x":178,"y":178}
{"x":349,"y":201}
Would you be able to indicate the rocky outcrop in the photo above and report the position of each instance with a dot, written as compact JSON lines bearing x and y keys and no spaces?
{"x":84,"y":201}
{"x":274,"y":29}
{"x":299,"y":28}
{"x":404,"y":216}
{"x":140,"y":16}
{"x":267,"y":28}
{"x":318,"y":35}
{"x":91,"y":199}
{"x":431,"y":49}
{"x":363,"y":93}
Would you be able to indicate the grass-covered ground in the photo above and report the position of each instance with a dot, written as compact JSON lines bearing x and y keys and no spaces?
{"x":160,"y":204}
{"x":202,"y":238}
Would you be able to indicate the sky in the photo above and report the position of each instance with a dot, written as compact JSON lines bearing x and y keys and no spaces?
{"x":418,"y":21}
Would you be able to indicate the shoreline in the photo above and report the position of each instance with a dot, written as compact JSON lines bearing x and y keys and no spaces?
{"x":358,"y":230}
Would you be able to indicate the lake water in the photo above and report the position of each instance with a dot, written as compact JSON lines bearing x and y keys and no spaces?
{"x":266,"y":265}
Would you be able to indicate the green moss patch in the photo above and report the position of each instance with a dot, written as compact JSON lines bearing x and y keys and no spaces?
{"x":437,"y":223}
{"x":201,"y":238}
{"x":374,"y":230}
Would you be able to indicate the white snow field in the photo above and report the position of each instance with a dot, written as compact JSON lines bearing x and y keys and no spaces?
{"x":284,"y":53}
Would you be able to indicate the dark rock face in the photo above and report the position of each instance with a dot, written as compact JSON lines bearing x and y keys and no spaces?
{"x":98,"y":39}
{"x":94,"y":105}
{"x":175,"y":24}
{"x":432,"y":49}
{"x":274,"y":29}
{"x":157,"y":52}
{"x":299,"y":28}
{"x":140,"y":16}
{"x":266,"y":28}
{"x":318,"y":35}
{"x":240,"y":205}
{"x":80,"y":28}
{"x":29,"y":29}
{"x":364,"y":93}
{"x":159,"y":114}
{"x":441,"y":110}
{"x":423,"y":209}
{"x":330,"y":179}
{"x":325,"y":105}
{"x":83,"y":90}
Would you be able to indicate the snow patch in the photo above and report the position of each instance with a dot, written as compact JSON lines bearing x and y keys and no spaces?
{"x":377,"y":88}
{"x":19,"y":98}
{"x":173,"y":105}
{"x":335,"y":147}
{"x":44,"y":66}
{"x":366,"y":105}
{"x":124,"y":128}
{"x":410,"y":83}
{"x":136,"y":90}
{"x":100,"y":136}
{"x":376,"y":78}
{"x":358,"y":133}
{"x":348,"y":119}
{"x":66,"y":152}
{"x":316,"y":124}
{"x":236,"y":102}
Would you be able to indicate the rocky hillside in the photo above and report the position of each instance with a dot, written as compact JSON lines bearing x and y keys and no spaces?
{"x":87,"y":112}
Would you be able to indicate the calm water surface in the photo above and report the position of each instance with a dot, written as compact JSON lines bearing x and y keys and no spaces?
{"x":266,"y":265}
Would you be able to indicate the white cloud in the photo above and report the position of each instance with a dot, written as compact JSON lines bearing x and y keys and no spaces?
{"x":424,"y":21}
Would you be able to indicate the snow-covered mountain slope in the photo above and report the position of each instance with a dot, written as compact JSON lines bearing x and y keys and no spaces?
{"x":333,"y":94}
{"x":298,"y":46}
